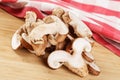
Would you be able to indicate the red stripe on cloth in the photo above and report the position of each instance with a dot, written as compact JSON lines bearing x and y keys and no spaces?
{"x":95,"y":9}
{"x":21,"y":12}
{"x":8,"y":1}
{"x":100,"y":40}
{"x":116,"y":0}
{"x":105,"y":30}
{"x":67,"y":0}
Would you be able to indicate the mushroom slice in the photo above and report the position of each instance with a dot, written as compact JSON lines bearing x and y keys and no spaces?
{"x":17,"y":40}
{"x":59,"y":57}
{"x":30,"y":18}
{"x":75,"y":61}
{"x":66,"y":18}
{"x":58,"y":12}
{"x":52,"y":28}
{"x":80,"y":28}
{"x":93,"y":68}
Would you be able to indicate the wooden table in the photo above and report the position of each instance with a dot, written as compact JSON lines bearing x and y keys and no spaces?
{"x":22,"y":65}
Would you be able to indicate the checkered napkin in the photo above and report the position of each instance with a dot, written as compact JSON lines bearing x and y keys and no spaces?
{"x":101,"y":16}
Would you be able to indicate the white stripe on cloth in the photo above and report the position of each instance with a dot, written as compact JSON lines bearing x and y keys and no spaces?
{"x":111,"y":20}
{"x":43,"y":6}
{"x":109,"y":4}
{"x":23,"y":0}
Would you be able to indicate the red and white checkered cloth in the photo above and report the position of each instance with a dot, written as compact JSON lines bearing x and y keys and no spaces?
{"x":101,"y":16}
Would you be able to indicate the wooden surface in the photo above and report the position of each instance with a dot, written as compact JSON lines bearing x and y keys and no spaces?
{"x":22,"y":65}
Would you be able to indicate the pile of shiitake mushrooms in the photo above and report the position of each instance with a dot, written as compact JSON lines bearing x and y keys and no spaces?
{"x":61,"y":34}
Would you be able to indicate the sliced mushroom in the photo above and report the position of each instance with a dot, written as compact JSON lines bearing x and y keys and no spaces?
{"x":17,"y":40}
{"x":58,"y":12}
{"x":80,"y":28}
{"x":73,"y":62}
{"x":66,"y":18}
{"x":57,"y":27}
{"x":30,"y":18}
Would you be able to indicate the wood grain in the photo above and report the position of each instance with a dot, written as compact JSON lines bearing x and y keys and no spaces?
{"x":22,"y":65}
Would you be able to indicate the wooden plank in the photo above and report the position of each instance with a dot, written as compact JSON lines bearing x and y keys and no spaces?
{"x":22,"y":65}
